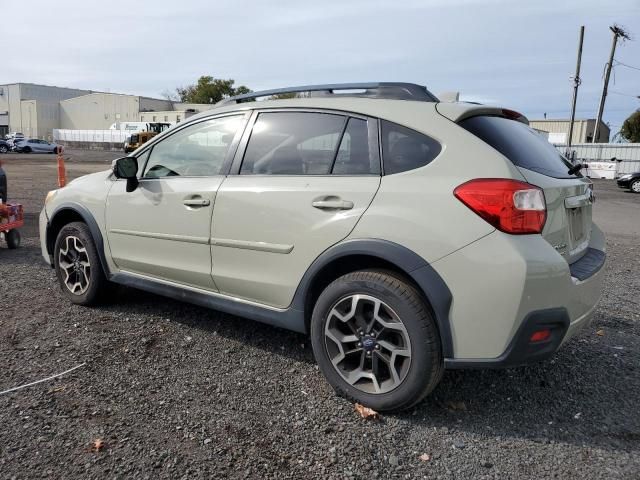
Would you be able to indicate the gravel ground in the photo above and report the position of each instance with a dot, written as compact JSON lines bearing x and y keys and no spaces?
{"x":177,"y":391}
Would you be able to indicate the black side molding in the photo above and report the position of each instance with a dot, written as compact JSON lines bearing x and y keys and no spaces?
{"x":588,"y":265}
{"x":521,"y":350}
{"x":288,"y":319}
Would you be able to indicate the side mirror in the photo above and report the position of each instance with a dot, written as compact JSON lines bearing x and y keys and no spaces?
{"x":127,"y":168}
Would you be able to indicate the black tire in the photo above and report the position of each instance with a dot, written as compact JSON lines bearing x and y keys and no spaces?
{"x":25,"y":150}
{"x":4,"y":149}
{"x":13,"y":239}
{"x":97,"y":284}
{"x":426,"y":366}
{"x":635,"y":186}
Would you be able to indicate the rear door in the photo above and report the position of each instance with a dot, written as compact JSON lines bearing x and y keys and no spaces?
{"x":300,"y":186}
{"x":569,"y":197}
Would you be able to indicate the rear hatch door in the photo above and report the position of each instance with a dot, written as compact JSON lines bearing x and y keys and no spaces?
{"x":569,"y":197}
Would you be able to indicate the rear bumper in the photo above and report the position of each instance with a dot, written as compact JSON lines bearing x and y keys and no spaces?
{"x":521,"y":349}
{"x":505,"y":288}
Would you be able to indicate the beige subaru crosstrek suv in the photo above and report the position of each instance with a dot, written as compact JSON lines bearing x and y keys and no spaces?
{"x":403,"y":234}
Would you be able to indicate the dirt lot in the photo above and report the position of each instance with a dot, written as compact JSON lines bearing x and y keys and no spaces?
{"x":177,"y":391}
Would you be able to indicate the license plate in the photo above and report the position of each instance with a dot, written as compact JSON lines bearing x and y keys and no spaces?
{"x":576,"y":224}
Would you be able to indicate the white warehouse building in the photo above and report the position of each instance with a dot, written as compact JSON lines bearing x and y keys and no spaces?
{"x":37,"y":110}
{"x":32,"y":109}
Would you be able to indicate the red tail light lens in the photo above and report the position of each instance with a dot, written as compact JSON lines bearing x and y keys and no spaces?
{"x":509,"y":205}
{"x":540,"y":336}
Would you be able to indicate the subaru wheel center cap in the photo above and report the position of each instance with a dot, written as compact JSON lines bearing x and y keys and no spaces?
{"x":368,"y":343}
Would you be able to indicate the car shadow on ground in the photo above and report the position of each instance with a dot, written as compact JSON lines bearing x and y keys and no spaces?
{"x":579,"y":389}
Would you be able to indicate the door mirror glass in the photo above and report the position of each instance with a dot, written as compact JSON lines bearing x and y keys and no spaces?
{"x":125,"y":167}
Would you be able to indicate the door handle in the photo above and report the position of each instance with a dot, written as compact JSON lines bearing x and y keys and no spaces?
{"x":196,"y":202}
{"x":333,"y":204}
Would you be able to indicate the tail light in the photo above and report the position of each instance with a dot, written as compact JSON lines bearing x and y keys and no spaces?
{"x":509,"y":205}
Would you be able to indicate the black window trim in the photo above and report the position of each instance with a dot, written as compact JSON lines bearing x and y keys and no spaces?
{"x":226,"y":165}
{"x":372,"y":129}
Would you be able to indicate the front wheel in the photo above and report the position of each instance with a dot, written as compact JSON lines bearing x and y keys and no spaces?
{"x":3,"y":149}
{"x":375,"y":340}
{"x":635,"y":186}
{"x":25,"y":150}
{"x":78,"y":266}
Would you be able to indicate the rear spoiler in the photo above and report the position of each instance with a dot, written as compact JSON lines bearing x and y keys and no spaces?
{"x":456,"y":112}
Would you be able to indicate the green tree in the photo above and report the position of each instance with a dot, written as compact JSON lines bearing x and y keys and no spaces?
{"x":210,"y":90}
{"x":631,"y":128}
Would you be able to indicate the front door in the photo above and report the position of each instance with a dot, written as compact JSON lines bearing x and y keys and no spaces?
{"x":162,"y":229}
{"x":305,"y":180}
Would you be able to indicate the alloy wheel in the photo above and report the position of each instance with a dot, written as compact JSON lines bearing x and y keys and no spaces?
{"x":635,"y":186}
{"x":367,"y":343}
{"x":74,"y":264}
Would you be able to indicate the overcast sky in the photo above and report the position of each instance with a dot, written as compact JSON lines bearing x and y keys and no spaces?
{"x":512,"y":52}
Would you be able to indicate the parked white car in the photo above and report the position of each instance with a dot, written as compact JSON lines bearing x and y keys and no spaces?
{"x":404,"y":235}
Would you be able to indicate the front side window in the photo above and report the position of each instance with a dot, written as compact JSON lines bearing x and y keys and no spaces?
{"x":196,"y":151}
{"x":303,"y":143}
{"x":405,"y":149}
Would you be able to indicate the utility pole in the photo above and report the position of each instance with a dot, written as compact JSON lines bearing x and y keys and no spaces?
{"x":576,"y":83}
{"x":618,"y":32}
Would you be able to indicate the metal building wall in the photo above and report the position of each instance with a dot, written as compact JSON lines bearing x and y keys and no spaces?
{"x":98,"y":111}
{"x":582,"y":129}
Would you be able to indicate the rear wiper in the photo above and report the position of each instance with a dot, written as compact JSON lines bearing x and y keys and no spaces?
{"x":576,"y":168}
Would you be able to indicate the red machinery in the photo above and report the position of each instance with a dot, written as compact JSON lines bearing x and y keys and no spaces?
{"x":11,"y":218}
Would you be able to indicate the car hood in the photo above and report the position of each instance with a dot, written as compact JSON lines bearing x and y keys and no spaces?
{"x":90,"y":178}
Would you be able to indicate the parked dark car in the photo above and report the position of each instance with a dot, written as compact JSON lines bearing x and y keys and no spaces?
{"x":4,"y":147}
{"x":630,"y":181}
{"x":3,"y":185}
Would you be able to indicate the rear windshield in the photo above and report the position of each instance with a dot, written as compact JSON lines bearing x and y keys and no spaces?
{"x":521,"y":144}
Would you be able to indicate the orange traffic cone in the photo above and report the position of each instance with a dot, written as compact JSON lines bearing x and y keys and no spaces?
{"x":62,"y":173}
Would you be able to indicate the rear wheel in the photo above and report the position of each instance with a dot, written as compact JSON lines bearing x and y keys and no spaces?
{"x":13,"y":238}
{"x":375,"y":340}
{"x":78,"y":266}
{"x":635,"y":186}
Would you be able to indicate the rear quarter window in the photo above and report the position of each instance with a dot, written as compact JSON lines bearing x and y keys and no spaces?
{"x":404,"y":149}
{"x":521,"y":144}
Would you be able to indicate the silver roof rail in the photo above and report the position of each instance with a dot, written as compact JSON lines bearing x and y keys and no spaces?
{"x":389,"y":90}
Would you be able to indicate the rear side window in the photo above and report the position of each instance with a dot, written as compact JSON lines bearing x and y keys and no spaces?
{"x":521,"y":144}
{"x":405,"y":149}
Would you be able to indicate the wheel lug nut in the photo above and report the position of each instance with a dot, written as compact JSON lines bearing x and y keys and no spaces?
{"x":377,"y":347}
{"x":358,"y":344}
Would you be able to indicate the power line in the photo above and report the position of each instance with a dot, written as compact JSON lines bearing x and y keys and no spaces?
{"x":617,"y":62}
{"x":625,"y":94}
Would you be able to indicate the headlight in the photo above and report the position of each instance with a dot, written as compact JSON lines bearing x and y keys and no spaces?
{"x":50,"y":196}
{"x":625,"y":177}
